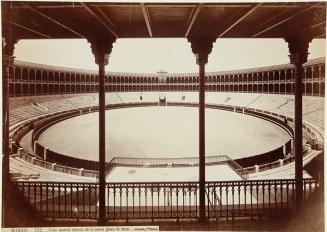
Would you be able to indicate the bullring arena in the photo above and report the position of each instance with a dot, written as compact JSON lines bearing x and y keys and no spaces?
{"x":54,"y":135}
{"x":178,"y":150}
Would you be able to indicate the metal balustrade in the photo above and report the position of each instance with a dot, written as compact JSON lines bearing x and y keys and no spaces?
{"x":61,"y":200}
{"x":152,"y":200}
{"x":165,"y":200}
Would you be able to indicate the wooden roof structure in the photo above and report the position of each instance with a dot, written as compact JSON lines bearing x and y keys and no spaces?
{"x":55,"y":20}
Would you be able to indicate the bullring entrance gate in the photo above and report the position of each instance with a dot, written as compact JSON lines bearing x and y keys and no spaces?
{"x":103,"y":23}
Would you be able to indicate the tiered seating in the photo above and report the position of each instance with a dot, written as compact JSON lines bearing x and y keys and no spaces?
{"x":24,"y":170}
{"x":17,"y":102}
{"x":23,"y":113}
{"x":22,"y":108}
{"x":316,"y":119}
{"x":84,"y":100}
{"x":177,"y":97}
{"x":128,"y":97}
{"x":284,"y":172}
{"x":150,"y":96}
{"x":59,"y":105}
{"x":112,"y":98}
{"x":270,"y":102}
{"x":240,"y":99}
{"x":190,"y":97}
{"x":214,"y":98}
{"x":119,"y":97}
{"x":20,"y":171}
{"x":135,"y":97}
{"x":181,"y":96}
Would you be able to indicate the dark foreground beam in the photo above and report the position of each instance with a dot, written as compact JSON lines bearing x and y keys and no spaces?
{"x":8,"y":47}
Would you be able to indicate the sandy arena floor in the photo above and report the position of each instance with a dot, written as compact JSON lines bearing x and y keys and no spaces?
{"x":164,"y":132}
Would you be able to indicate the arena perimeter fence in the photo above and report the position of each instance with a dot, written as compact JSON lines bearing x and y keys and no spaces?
{"x":89,"y":168}
{"x":176,"y":162}
{"x":165,"y":200}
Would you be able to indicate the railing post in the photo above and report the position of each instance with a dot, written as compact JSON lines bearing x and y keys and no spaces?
{"x":11,"y":141}
{"x":308,"y":146}
{"x":284,"y":150}
{"x":34,"y":147}
{"x":20,"y":152}
{"x":33,"y":160}
{"x":256,"y":168}
{"x":12,"y":144}
{"x":53,"y":166}
{"x":45,"y":152}
{"x":81,"y":171}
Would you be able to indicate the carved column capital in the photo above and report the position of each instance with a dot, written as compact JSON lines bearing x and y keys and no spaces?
{"x":298,"y":47}
{"x":101,"y":48}
{"x":201,"y":47}
{"x":8,"y":47}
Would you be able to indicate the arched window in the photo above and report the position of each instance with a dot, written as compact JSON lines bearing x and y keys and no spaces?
{"x":50,"y":76}
{"x":44,"y":76}
{"x":25,"y":74}
{"x":18,"y":74}
{"x":56,"y":76}
{"x":32,"y":75}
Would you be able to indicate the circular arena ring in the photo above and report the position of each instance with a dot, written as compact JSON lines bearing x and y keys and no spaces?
{"x":52,"y":159}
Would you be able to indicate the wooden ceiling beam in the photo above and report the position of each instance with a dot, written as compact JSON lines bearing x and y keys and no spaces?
{"x":100,"y":20}
{"x":285,"y":20}
{"x":105,"y":16}
{"x":37,"y":11}
{"x":240,"y":19}
{"x":54,"y":5}
{"x":314,"y":31}
{"x":146,"y":18}
{"x":270,"y":19}
{"x":193,"y":19}
{"x":27,"y":28}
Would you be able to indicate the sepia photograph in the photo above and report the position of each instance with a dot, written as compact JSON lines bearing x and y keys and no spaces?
{"x":163,"y":116}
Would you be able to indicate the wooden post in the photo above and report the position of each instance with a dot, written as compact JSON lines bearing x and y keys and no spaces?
{"x":101,"y":48}
{"x":202,"y":47}
{"x":298,"y":48}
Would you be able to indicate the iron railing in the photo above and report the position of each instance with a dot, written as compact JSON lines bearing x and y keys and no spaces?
{"x":165,"y":200}
{"x":182,"y":161}
{"x":62,"y":200}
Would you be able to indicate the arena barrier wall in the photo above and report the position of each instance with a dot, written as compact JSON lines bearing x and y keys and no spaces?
{"x":52,"y":156}
{"x":43,"y":122}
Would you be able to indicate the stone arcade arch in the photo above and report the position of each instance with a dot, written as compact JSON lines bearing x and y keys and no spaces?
{"x":18,"y":75}
{"x":24,"y":76}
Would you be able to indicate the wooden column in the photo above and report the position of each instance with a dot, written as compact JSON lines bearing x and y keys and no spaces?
{"x":8,"y":46}
{"x":202,"y":47}
{"x":101,"y":48}
{"x":298,"y":48}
